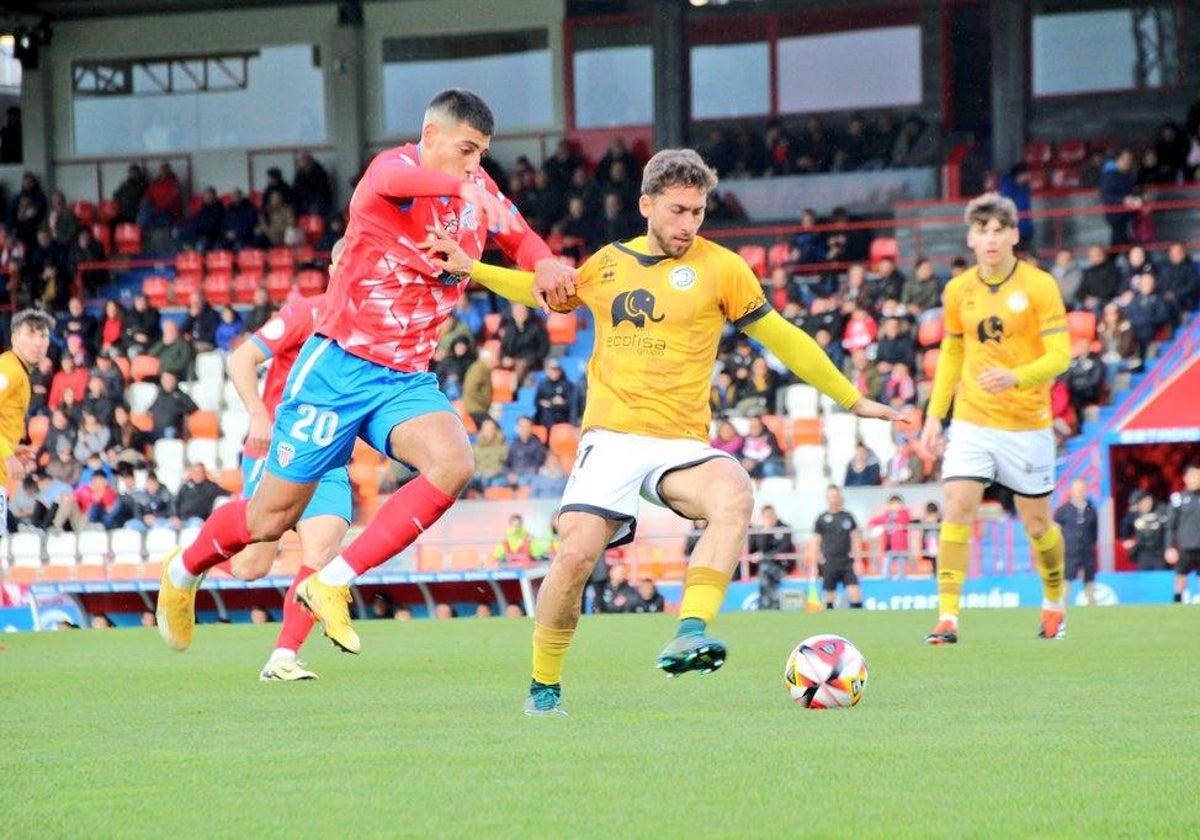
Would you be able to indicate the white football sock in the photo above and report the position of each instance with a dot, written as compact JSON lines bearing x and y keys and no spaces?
{"x":179,"y":575}
{"x":337,"y":573}
{"x":281,"y":653}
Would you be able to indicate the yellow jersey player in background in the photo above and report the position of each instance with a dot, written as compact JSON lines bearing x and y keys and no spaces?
{"x":1006,"y":341}
{"x":30,"y":341}
{"x":660,"y":303}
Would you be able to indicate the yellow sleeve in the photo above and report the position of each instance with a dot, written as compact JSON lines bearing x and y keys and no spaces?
{"x":1055,"y":360}
{"x":507,"y":282}
{"x":517,"y":285}
{"x":742,"y":298}
{"x":10,"y":385}
{"x":803,"y":357}
{"x":949,"y":371}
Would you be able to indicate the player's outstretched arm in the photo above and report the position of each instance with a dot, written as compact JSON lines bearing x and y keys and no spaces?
{"x":805,"y":358}
{"x":243,"y":373}
{"x":518,"y":286}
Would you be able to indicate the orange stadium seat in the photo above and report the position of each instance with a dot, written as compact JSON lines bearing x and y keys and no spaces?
{"x":218,"y":287}
{"x":84,"y":212}
{"x":778,"y":254}
{"x":189,"y":263}
{"x":107,"y":210}
{"x":884,"y":247}
{"x":504,"y":385}
{"x":313,"y":227}
{"x":156,"y":290}
{"x":1082,"y":325}
{"x":777,"y":426}
{"x":281,"y":258}
{"x":204,"y":424}
{"x":467,"y":421}
{"x":492,"y":345}
{"x":144,"y":366}
{"x":541,"y":433}
{"x":430,"y":558}
{"x":805,"y":431}
{"x":128,"y":239}
{"x":142,"y":421}
{"x":499,"y":494}
{"x":564,"y":442}
{"x":39,"y":427}
{"x":311,"y":281}
{"x":251,"y":259}
{"x":218,"y":261}
{"x":756,"y":257}
{"x":122,"y":362}
{"x":182,"y":288}
{"x":279,"y":285}
{"x":931,"y":332}
{"x":562,"y":327}
{"x":491,"y":324}
{"x":929,"y":362}
{"x":244,"y":287}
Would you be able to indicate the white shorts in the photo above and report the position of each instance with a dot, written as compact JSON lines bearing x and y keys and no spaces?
{"x":3,"y":510}
{"x":1021,"y":461}
{"x":613,"y":470}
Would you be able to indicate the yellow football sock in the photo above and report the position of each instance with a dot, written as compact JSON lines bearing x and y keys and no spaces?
{"x":549,"y":650}
{"x":703,"y":591}
{"x":952,"y":566}
{"x":1050,"y":555}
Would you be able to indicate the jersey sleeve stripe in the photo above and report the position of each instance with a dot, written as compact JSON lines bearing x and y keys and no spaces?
{"x":1053,"y":330}
{"x":263,"y":346}
{"x":750,"y":317}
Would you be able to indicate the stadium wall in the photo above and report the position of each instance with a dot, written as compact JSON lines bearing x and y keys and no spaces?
{"x":351,"y":64}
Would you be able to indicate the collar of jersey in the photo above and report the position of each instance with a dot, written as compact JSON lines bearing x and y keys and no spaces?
{"x":996,"y":284}
{"x":632,"y":248}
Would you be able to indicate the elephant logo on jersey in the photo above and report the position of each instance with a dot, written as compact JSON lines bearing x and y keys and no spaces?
{"x":991,"y":329}
{"x":635,"y":307}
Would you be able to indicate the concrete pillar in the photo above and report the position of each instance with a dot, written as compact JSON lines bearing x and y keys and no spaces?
{"x":672,"y":81}
{"x":346,"y":127}
{"x":1010,"y":63}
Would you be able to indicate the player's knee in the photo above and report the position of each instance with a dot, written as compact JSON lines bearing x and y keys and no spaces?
{"x":732,"y":506}
{"x":451,"y":475}
{"x":577,"y":563}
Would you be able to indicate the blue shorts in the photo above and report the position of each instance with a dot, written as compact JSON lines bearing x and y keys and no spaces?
{"x":332,"y":497}
{"x":331,"y":398}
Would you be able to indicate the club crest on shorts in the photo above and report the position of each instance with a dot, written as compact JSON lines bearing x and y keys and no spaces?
{"x":285,"y":452}
{"x":681,"y":278}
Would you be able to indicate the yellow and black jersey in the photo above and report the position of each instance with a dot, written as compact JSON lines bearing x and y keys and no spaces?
{"x":658,"y":322}
{"x":1002,"y":324}
{"x":15,"y":393}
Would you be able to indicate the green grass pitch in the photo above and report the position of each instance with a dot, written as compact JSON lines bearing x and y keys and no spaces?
{"x":109,"y":733}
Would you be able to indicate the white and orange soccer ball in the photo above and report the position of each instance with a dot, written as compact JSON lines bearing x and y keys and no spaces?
{"x":826,"y":672}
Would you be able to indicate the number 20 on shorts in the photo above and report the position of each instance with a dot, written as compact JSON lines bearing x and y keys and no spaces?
{"x":315,"y":425}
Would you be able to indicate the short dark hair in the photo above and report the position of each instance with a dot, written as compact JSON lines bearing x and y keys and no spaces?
{"x":465,"y":107}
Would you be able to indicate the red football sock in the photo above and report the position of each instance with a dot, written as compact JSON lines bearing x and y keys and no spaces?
{"x":297,"y":621}
{"x":410,"y":510}
{"x":224,"y":534}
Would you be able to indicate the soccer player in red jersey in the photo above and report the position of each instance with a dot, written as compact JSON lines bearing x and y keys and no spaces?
{"x":365,"y":373}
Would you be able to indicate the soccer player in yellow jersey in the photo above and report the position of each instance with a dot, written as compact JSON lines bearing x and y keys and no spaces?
{"x":1006,"y":340}
{"x":660,"y":302}
{"x":30,"y":341}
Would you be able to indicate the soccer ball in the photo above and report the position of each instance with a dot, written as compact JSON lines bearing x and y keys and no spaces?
{"x":826,"y":672}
